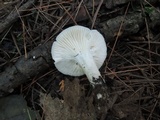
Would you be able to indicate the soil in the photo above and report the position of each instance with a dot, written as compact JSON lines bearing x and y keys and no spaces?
{"x":131,"y":70}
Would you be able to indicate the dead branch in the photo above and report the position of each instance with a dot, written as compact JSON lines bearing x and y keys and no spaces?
{"x":37,"y":62}
{"x":13,"y":16}
{"x":132,"y":23}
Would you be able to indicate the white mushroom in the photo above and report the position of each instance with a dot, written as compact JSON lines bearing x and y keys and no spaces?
{"x":78,"y":51}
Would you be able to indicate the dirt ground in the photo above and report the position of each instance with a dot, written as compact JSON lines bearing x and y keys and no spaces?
{"x":32,"y":88}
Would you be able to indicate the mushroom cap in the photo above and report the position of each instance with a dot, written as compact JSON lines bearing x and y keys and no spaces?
{"x":73,"y":41}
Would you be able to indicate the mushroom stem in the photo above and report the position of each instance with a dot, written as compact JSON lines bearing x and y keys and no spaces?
{"x":86,"y":61}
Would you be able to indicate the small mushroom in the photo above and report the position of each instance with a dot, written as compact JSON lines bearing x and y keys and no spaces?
{"x":78,"y":51}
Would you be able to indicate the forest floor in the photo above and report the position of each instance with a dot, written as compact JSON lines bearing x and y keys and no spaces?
{"x":30,"y":85}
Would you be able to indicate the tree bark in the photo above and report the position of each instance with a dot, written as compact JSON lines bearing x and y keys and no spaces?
{"x":38,"y":61}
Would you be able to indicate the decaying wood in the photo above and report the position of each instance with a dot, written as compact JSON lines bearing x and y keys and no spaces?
{"x":76,"y":105}
{"x":37,"y":62}
{"x":131,"y":24}
{"x":27,"y":68}
{"x":13,"y":16}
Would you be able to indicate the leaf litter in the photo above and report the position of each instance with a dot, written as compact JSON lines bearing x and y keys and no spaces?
{"x":132,"y":71}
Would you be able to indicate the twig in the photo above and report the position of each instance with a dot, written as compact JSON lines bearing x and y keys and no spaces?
{"x":120,"y":28}
{"x":95,"y":15}
{"x":15,"y":42}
